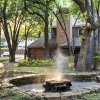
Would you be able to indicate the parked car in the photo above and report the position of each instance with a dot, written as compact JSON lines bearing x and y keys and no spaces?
{"x":5,"y":54}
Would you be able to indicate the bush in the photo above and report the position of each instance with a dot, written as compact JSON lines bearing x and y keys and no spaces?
{"x":97,"y":60}
{"x":70,"y":61}
{"x":93,"y":96}
{"x":36,"y":63}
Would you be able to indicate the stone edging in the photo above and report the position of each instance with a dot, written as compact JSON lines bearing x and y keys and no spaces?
{"x":52,"y":95}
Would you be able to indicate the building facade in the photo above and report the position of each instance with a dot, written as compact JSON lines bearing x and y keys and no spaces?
{"x":57,"y":39}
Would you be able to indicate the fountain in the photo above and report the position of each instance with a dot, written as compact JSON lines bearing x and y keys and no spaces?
{"x":57,"y":83}
{"x":51,"y":85}
{"x":57,"y":86}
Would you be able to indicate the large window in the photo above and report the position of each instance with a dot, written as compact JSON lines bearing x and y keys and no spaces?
{"x":81,"y":32}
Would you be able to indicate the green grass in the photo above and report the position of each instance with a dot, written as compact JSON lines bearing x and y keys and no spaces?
{"x":44,"y":70}
{"x":37,"y":70}
{"x":5,"y":58}
{"x":2,"y":59}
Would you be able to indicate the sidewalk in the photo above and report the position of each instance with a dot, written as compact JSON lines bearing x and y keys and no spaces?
{"x":6,"y":64}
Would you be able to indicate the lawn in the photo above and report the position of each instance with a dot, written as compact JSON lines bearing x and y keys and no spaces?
{"x":36,"y":70}
{"x":6,"y":58}
{"x":2,"y":59}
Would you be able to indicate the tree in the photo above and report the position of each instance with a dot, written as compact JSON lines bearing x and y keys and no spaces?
{"x":31,"y":29}
{"x":11,"y":22}
{"x":90,"y":10}
{"x":41,"y":9}
{"x":50,"y":7}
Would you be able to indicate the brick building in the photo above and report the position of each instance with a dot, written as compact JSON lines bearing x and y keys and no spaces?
{"x":57,"y":38}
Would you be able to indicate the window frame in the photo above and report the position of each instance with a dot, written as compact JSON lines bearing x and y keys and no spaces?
{"x":79,"y":31}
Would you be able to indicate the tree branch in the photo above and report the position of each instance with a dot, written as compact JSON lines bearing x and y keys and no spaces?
{"x":33,"y":12}
{"x":82,"y":5}
{"x":10,"y":30}
{"x":90,"y":19}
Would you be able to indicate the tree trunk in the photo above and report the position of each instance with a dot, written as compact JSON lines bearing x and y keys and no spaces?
{"x":46,"y":52}
{"x":25,"y":48}
{"x":12,"y":55}
{"x":95,"y":45}
{"x":90,"y":55}
{"x":81,"y":65}
{"x":98,"y":38}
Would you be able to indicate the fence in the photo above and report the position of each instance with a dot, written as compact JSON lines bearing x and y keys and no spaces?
{"x":18,"y":51}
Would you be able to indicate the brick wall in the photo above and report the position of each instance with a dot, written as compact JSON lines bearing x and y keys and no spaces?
{"x":61,"y":38}
{"x":36,"y":53}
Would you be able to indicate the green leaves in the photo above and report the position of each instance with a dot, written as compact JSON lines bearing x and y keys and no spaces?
{"x":13,"y":95}
{"x":36,"y":63}
{"x":97,"y":60}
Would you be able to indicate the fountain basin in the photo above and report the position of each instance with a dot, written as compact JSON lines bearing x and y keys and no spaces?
{"x":27,"y":79}
{"x":43,"y":79}
{"x":77,"y":88}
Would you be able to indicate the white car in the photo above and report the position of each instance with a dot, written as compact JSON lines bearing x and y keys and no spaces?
{"x":5,"y":54}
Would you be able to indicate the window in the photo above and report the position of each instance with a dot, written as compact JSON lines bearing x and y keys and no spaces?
{"x":81,"y":31}
{"x":53,"y":32}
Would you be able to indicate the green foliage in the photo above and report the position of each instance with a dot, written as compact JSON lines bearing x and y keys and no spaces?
{"x":97,"y":60}
{"x":75,"y":11}
{"x":70,"y":61}
{"x":80,"y":39}
{"x":36,"y":63}
{"x":13,"y":95}
{"x":90,"y":96}
{"x":94,"y":96}
{"x":31,"y":27}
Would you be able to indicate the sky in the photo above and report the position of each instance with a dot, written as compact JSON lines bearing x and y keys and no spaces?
{"x":64,"y":3}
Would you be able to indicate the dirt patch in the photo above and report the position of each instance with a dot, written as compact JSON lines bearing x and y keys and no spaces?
{"x":9,"y":64}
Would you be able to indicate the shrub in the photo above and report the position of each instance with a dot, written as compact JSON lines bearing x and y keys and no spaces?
{"x":13,"y":95}
{"x":93,"y":96}
{"x":70,"y":61}
{"x":36,"y":63}
{"x":97,"y":60}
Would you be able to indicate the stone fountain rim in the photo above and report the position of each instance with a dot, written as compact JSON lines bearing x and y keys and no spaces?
{"x":51,"y":95}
